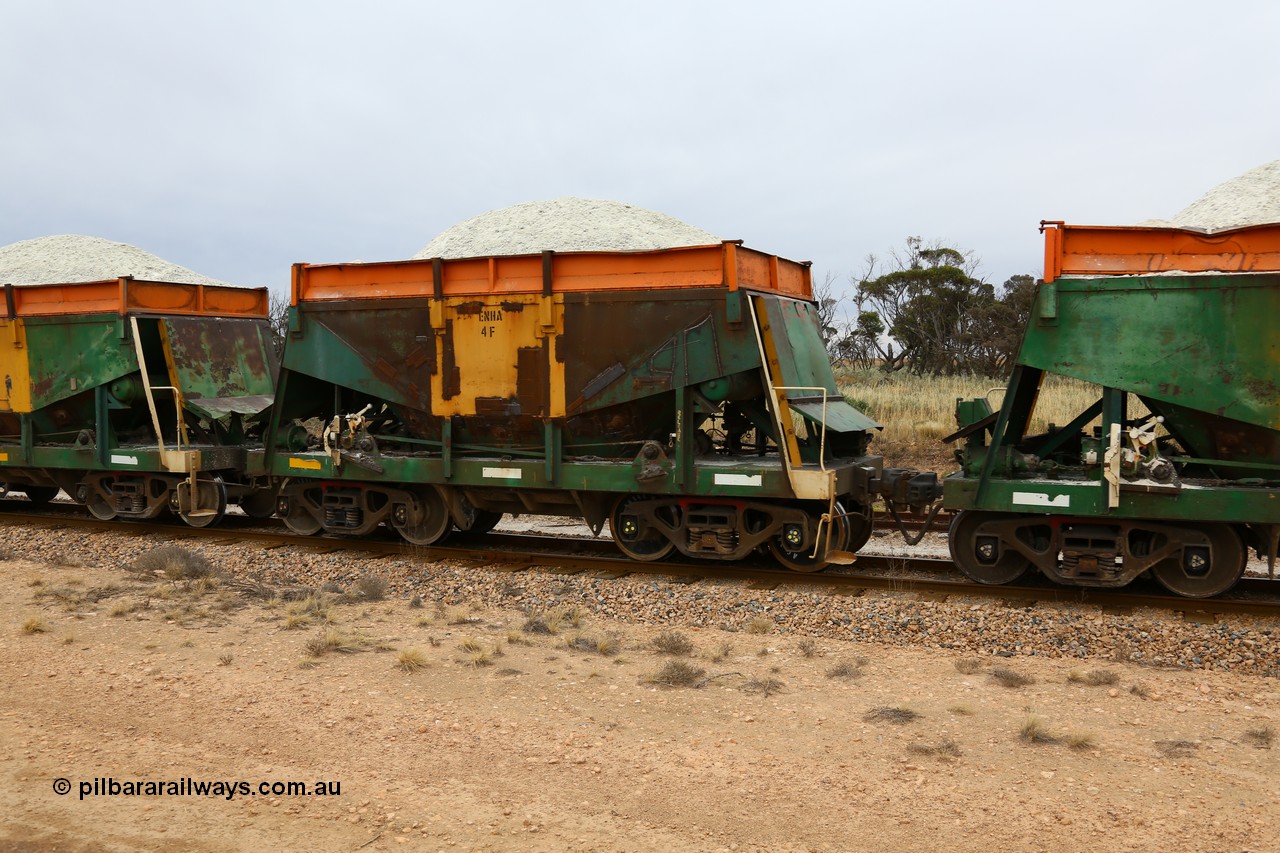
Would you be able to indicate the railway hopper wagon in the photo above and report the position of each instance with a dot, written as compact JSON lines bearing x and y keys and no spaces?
{"x":1174,"y":471}
{"x":137,"y":397}
{"x":682,"y":396}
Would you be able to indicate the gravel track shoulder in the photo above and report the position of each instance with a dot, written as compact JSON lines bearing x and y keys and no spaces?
{"x":544,"y":745}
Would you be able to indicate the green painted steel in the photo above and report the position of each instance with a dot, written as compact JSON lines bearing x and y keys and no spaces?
{"x":641,"y":370}
{"x":224,"y":366}
{"x":1197,"y":350}
{"x":1201,"y":342}
{"x":1076,"y":499}
{"x":70,"y":355}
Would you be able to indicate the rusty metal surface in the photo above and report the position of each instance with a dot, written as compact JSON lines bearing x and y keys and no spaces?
{"x":221,"y":365}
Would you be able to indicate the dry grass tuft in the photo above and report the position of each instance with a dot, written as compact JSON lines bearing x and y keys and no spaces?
{"x":460,"y":615}
{"x":370,"y":587}
{"x":1080,"y":741}
{"x":846,"y":669}
{"x":764,"y":686}
{"x":891,"y":714}
{"x":807,"y":647}
{"x":671,"y":643}
{"x":123,"y":608}
{"x":1176,"y":748}
{"x":1006,"y":677}
{"x":760,"y":625}
{"x":334,"y":640}
{"x":1142,"y":691}
{"x":1093,"y":678}
{"x":607,"y":646}
{"x":721,"y":652}
{"x":543,"y":622}
{"x":1260,"y":736}
{"x":415,"y":602}
{"x":225,"y":659}
{"x":174,"y":562}
{"x":35,"y":625}
{"x":677,"y":673}
{"x":962,"y":710}
{"x":476,"y":654}
{"x":970,"y":666}
{"x":411,"y":660}
{"x":1034,"y":730}
{"x":945,"y":749}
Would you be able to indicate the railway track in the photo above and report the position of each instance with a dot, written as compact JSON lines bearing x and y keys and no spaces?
{"x":928,"y":578}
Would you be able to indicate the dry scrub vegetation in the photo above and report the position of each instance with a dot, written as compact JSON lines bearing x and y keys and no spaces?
{"x":674,"y":699}
{"x":918,"y":411}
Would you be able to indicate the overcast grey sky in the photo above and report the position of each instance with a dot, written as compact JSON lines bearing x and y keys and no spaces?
{"x":235,"y":138}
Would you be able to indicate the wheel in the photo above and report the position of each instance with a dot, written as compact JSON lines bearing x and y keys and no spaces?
{"x":1212,"y":560}
{"x":41,"y":495}
{"x":100,"y":508}
{"x":977,"y":542}
{"x":485,"y":521}
{"x":260,"y":504}
{"x":860,"y":527}
{"x":300,"y":521}
{"x":434,"y":523}
{"x":804,"y":559}
{"x":634,"y":537}
{"x":210,"y":503}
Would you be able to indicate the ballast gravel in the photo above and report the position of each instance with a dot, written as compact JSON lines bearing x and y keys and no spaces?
{"x":968,"y":625}
{"x":567,"y":224}
{"x":67,"y":258}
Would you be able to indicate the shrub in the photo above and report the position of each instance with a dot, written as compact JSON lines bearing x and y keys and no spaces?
{"x":887,"y":714}
{"x":764,"y":686}
{"x":1093,"y":678}
{"x":678,"y":673}
{"x":174,"y":562}
{"x":1006,"y":677}
{"x":371,"y":587}
{"x":672,"y":643}
{"x":1260,"y":736}
{"x":845,"y":669}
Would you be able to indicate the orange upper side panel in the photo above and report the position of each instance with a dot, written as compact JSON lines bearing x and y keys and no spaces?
{"x":727,"y":265}
{"x":1132,"y":250}
{"x":122,"y":296}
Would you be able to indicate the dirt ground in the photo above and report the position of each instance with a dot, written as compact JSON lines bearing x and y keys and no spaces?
{"x":504,"y":739}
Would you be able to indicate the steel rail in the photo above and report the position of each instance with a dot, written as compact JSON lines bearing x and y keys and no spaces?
{"x":518,"y":552}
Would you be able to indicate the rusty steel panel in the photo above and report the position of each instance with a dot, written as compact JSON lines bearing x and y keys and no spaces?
{"x":222,"y":366}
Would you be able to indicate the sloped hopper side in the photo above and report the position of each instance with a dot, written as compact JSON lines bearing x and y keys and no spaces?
{"x":804,"y":363}
{"x":223,"y":366}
